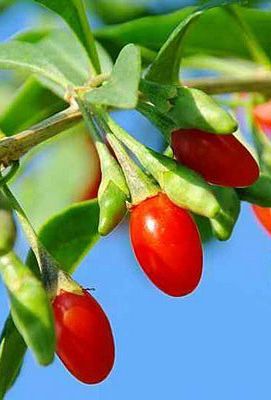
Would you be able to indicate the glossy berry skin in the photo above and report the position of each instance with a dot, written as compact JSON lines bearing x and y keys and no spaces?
{"x":220,"y":159}
{"x":85,"y":342}
{"x":263,"y":215}
{"x":167,"y":245}
{"x":262,"y":116}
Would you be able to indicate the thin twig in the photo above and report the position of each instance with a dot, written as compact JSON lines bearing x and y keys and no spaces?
{"x":256,"y":83}
{"x":14,"y":147}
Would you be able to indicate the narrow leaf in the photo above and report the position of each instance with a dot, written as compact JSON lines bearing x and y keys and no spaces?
{"x":69,"y":235}
{"x":67,"y":54}
{"x":225,"y":220}
{"x":46,"y":179}
{"x":30,"y":307}
{"x":34,"y":102}
{"x":12,"y":351}
{"x":204,"y":227}
{"x":27,"y":57}
{"x":74,"y":13}
{"x":141,"y":31}
{"x":214,"y":34}
{"x":165,"y":67}
{"x":259,"y":193}
{"x":193,"y":108}
{"x":68,"y":42}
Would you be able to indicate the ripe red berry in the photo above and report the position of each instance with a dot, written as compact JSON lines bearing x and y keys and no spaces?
{"x":262,"y":116}
{"x":85,"y":342}
{"x":167,"y":245}
{"x":263,"y":215}
{"x":220,"y":159}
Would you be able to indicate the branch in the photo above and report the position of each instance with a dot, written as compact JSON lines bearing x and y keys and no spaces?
{"x":14,"y":147}
{"x":260,"y":82}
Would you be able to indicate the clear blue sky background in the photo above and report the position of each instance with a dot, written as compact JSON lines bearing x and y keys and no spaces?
{"x":214,"y":344}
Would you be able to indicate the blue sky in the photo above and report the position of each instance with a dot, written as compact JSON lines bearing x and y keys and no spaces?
{"x":214,"y":344}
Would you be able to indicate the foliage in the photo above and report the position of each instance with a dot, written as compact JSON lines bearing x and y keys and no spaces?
{"x":131,"y":65}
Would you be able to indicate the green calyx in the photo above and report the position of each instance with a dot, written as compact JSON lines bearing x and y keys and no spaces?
{"x":113,"y":192}
{"x":140,"y":185}
{"x":259,"y":193}
{"x":184,"y":108}
{"x":184,"y":187}
{"x":159,"y":95}
{"x":158,"y":119}
{"x":193,"y":108}
{"x":30,"y":307}
{"x":112,"y":203}
{"x":53,"y":277}
{"x":7,"y":227}
{"x":188,"y":190}
{"x":65,"y":283}
{"x":263,"y":146}
{"x":224,"y":222}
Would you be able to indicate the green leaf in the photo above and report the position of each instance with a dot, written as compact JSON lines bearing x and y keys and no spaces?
{"x":69,"y":44}
{"x":12,"y":351}
{"x":28,"y":57}
{"x":7,"y":227}
{"x":215,"y":33}
{"x":69,"y":245}
{"x":121,"y":90}
{"x":75,"y":16}
{"x":225,"y":220}
{"x":158,"y":94}
{"x":141,"y":31}
{"x":259,"y":193}
{"x":5,"y":4}
{"x":112,"y":203}
{"x":123,"y":10}
{"x":192,"y":108}
{"x":31,"y":104}
{"x":30,"y":307}
{"x":33,"y":35}
{"x":166,"y":66}
{"x":204,"y":227}
{"x":70,"y":57}
{"x":64,"y":51}
{"x":46,"y":180}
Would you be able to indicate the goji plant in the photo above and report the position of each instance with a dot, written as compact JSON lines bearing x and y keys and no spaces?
{"x":71,"y":78}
